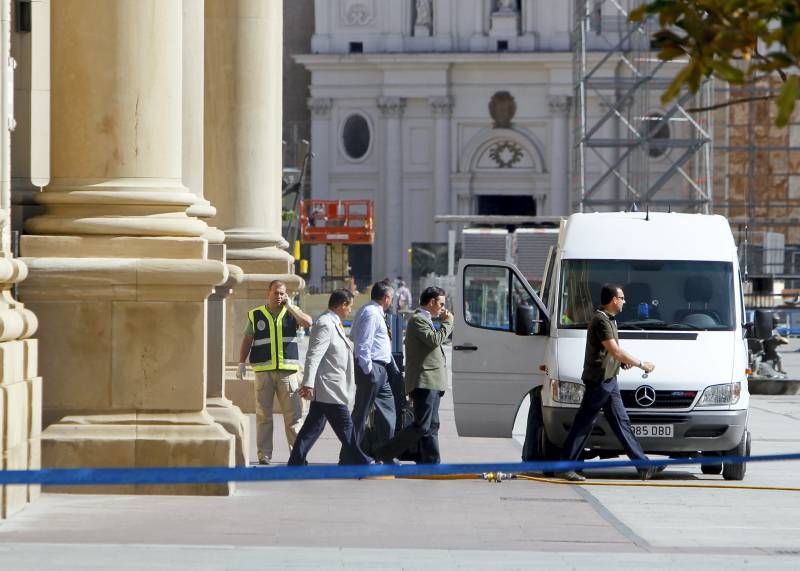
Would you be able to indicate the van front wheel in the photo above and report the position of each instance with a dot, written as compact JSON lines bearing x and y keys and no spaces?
{"x":737,"y":471}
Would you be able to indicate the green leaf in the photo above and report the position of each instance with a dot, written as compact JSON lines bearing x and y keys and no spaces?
{"x":787,"y":99}
{"x":677,"y":84}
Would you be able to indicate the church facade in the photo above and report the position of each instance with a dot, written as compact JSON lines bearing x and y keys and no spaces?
{"x":439,"y":107}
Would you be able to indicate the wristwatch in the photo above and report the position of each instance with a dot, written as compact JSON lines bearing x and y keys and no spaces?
{"x":641,"y":364}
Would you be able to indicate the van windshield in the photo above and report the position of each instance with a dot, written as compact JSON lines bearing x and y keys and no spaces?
{"x":659,"y":294}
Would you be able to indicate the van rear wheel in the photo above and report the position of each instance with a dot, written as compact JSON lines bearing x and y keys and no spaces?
{"x":737,"y":471}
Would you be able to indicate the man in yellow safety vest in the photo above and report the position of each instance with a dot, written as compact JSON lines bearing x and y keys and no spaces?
{"x":270,"y":342}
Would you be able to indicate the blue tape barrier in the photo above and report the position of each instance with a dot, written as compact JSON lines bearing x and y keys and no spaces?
{"x":212,"y":475}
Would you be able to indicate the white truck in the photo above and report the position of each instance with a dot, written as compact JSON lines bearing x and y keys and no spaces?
{"x":684,"y":312}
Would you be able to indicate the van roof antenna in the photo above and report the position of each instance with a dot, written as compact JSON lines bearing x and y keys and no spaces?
{"x":647,"y":215}
{"x":669,"y":208}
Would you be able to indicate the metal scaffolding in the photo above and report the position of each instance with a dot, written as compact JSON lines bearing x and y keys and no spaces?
{"x":628,"y":148}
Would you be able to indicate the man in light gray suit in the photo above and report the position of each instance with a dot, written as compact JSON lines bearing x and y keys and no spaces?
{"x":328,"y":381}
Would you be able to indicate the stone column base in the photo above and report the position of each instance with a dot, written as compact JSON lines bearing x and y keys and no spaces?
{"x":237,"y":424}
{"x":139,"y":440}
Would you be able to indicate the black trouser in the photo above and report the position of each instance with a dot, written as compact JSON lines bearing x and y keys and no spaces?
{"x":424,"y":431}
{"x":603,"y":396}
{"x":373,"y":390}
{"x":318,"y":414}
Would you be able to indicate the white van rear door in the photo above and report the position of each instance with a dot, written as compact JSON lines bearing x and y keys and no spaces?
{"x":493,"y":366}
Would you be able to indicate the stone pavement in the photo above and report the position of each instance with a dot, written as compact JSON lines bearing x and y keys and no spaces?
{"x":414,"y":524}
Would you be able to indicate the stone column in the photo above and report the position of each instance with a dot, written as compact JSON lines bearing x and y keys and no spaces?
{"x":442,"y":110}
{"x":118,"y":270}
{"x":390,"y":217}
{"x":20,"y":385}
{"x":193,"y":81}
{"x":443,"y":14}
{"x":320,"y":169}
{"x":479,"y":42}
{"x":243,"y":157}
{"x":559,"y":198}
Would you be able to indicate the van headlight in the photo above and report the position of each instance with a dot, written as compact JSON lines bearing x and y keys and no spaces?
{"x":717,"y":395}
{"x":567,"y":393}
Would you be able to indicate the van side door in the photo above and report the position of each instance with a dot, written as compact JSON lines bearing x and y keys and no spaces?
{"x":499,"y":342}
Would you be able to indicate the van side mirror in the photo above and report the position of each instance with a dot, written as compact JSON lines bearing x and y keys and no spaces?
{"x":525,"y":322}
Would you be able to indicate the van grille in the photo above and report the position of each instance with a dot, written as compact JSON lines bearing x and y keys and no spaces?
{"x":664,"y":399}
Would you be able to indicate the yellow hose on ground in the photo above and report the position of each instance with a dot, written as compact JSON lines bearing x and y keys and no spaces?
{"x":651,"y":484}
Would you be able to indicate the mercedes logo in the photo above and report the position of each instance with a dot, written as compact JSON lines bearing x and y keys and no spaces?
{"x":645,"y":396}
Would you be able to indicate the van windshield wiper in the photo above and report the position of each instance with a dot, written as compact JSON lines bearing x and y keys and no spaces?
{"x":630,"y":325}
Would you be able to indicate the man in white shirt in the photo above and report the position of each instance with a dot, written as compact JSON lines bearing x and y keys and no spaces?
{"x":373,"y":357}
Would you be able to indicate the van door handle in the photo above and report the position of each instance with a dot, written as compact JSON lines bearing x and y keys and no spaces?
{"x":465,"y":348}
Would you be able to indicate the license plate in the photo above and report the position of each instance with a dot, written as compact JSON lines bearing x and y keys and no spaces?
{"x":653,"y":430}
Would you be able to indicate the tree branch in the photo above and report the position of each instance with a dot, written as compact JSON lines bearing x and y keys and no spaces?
{"x":730,"y":103}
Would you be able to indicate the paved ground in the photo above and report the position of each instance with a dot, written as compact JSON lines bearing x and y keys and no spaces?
{"x":436,"y":524}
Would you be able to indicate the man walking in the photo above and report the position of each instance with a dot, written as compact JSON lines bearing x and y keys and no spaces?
{"x":602,"y":361}
{"x":270,"y":340}
{"x":426,"y":379}
{"x":373,"y":356}
{"x":328,"y":382}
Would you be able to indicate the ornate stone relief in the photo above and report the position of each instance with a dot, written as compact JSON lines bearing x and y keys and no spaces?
{"x":392,"y":106}
{"x":320,"y":107}
{"x":441,"y":106}
{"x":502,"y":108}
{"x":358,"y":14}
{"x":559,"y":104}
{"x":424,"y":13}
{"x":506,"y":154}
{"x":507,"y":6}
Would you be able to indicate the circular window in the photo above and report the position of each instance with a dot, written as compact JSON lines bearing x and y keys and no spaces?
{"x":356,"y":136}
{"x":658,"y":130}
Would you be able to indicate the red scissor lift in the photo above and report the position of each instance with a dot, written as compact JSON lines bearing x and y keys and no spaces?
{"x":337,"y":224}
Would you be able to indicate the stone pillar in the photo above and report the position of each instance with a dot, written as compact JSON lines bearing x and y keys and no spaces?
{"x":442,"y":109}
{"x":528,"y":41}
{"x":243,"y":156}
{"x":559,"y":198}
{"x":20,"y":386}
{"x":227,"y":414}
{"x":398,"y":24}
{"x":118,"y":270}
{"x":479,"y":42}
{"x":443,"y":16}
{"x":390,"y":257}
{"x":320,"y":170}
{"x":221,"y":409}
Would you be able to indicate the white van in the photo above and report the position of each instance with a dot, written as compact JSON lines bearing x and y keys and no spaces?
{"x":683,"y":311}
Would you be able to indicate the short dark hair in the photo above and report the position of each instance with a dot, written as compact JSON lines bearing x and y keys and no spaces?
{"x":339,"y":297}
{"x":380,"y":290}
{"x":430,"y":293}
{"x":274,"y":283}
{"x":608,"y":292}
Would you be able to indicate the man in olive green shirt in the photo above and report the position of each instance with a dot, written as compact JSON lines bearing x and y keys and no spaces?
{"x":426,"y":379}
{"x":601,"y":363}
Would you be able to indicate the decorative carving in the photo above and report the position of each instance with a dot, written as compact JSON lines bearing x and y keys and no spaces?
{"x":507,"y":6}
{"x":559,"y":104}
{"x":392,"y":106}
{"x":502,"y":108}
{"x":441,"y":106}
{"x":358,"y":15}
{"x":423,"y":13}
{"x":506,"y":154}
{"x":320,"y":106}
